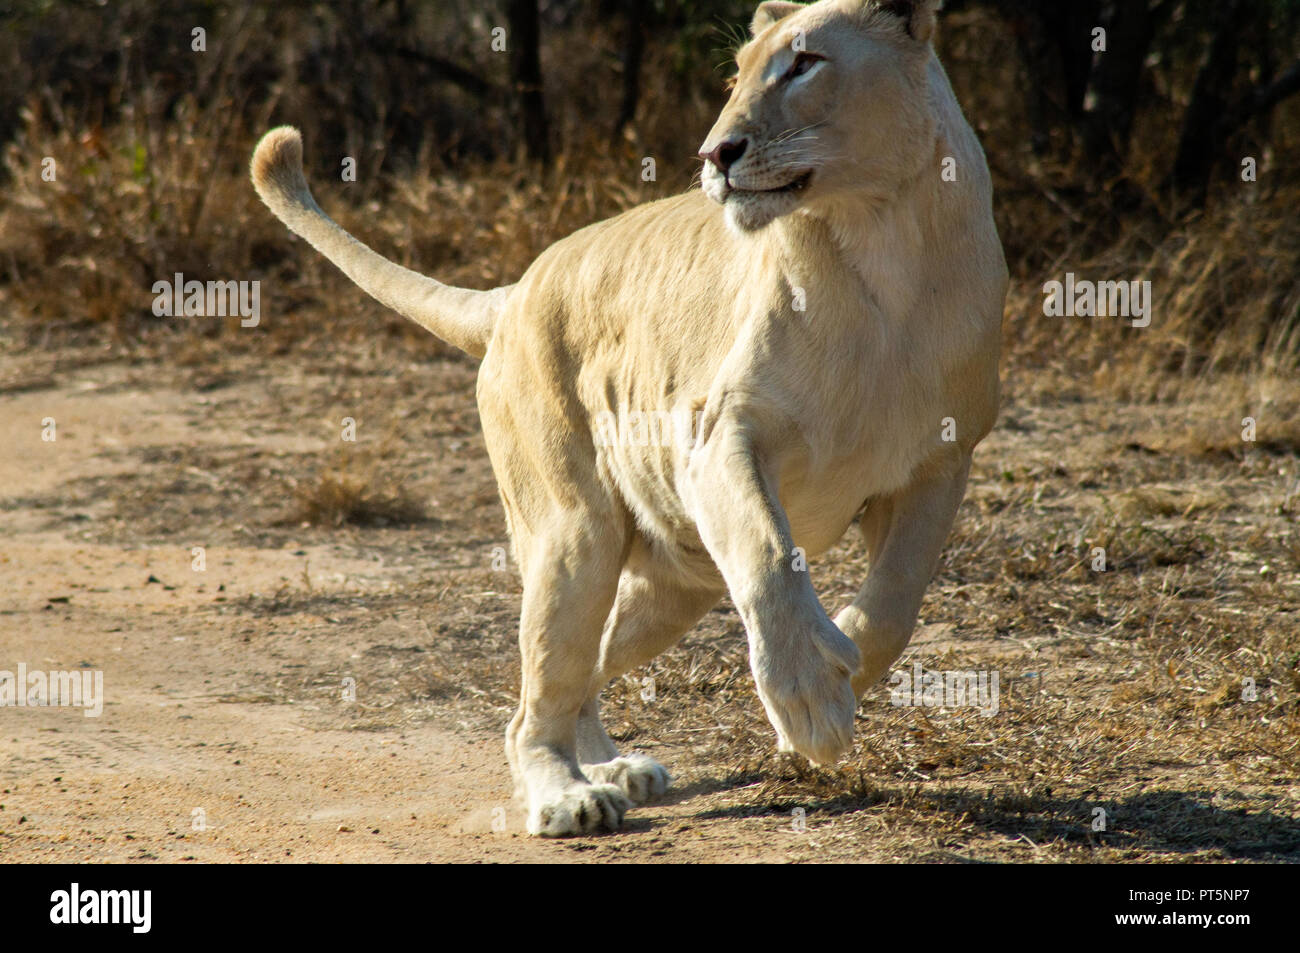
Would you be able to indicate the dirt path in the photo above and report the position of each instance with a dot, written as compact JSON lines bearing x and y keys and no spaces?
{"x":224,"y":687}
{"x":181,"y":731}
{"x":188,"y":726}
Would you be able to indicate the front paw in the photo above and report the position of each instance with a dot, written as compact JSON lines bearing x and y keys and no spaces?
{"x":578,"y":809}
{"x":809,"y":698}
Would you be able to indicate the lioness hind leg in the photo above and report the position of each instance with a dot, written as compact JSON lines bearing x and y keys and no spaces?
{"x":650,"y":614}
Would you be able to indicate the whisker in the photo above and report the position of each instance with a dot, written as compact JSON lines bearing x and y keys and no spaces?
{"x":790,"y":133}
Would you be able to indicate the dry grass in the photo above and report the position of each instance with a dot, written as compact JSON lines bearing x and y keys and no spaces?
{"x":1226,"y":301}
{"x":165,"y":192}
{"x":335,"y":497}
{"x":178,"y":202}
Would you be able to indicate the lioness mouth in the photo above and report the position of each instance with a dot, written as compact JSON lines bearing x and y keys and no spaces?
{"x":796,"y":185}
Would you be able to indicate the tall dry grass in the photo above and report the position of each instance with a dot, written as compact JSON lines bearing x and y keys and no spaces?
{"x":161,"y":187}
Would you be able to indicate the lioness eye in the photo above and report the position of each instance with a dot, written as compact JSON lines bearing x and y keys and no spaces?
{"x":802,"y":64}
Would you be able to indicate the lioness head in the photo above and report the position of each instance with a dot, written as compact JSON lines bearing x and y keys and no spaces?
{"x":829,"y":99}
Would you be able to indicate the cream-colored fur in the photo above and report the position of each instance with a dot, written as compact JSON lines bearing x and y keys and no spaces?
{"x":816,"y":339}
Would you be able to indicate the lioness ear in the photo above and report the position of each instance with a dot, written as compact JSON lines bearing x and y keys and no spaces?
{"x":917,"y":14}
{"x":769,"y":12}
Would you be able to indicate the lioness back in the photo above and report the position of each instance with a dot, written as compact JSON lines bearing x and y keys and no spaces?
{"x":656,"y":283}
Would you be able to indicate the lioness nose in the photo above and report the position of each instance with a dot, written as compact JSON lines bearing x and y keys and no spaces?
{"x":726,"y":154}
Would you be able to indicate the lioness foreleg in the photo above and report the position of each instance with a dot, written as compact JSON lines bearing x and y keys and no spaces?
{"x":802,"y":663}
{"x":904,"y":533}
{"x":570,"y":577}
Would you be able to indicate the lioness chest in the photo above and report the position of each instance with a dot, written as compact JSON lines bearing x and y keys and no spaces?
{"x":658,"y":320}
{"x":843,"y":399}
{"x":846,"y":402}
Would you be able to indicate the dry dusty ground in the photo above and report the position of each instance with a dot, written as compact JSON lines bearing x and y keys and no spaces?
{"x":1119,"y":690}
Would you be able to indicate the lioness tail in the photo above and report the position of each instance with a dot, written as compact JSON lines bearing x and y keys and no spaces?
{"x":459,"y":316}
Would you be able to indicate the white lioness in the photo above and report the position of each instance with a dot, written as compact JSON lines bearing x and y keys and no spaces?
{"x":827,"y":310}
